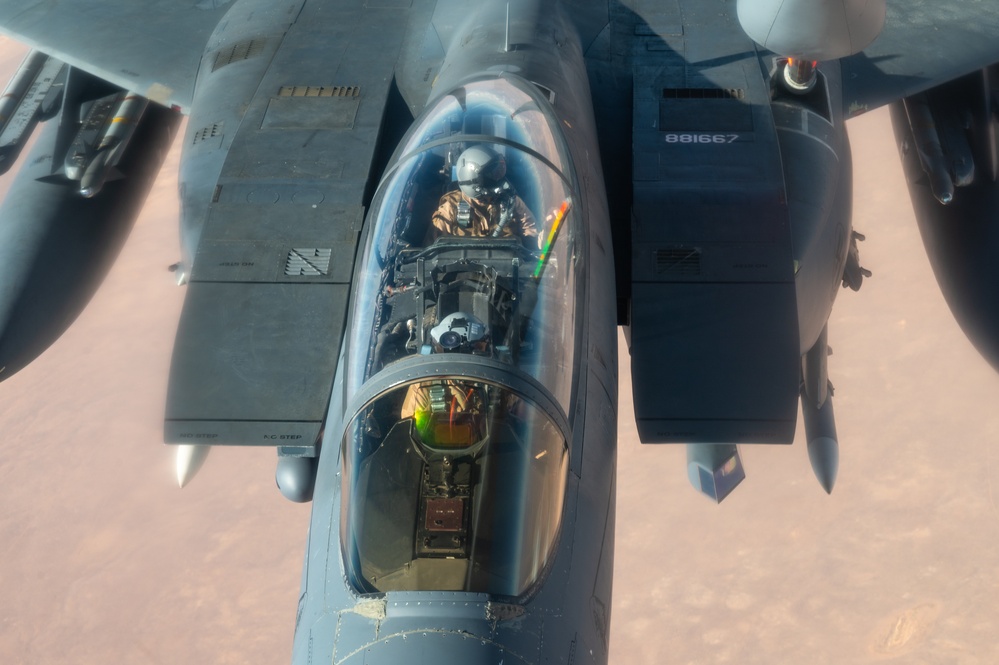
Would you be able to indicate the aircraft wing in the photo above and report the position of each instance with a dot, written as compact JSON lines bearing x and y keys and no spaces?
{"x":924,"y":43}
{"x":153,"y":47}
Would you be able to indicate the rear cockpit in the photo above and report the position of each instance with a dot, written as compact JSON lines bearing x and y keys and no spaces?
{"x":462,"y":492}
{"x":460,"y":367}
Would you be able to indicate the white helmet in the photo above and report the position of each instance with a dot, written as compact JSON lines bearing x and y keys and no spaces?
{"x":481,"y":172}
{"x":459,"y":332}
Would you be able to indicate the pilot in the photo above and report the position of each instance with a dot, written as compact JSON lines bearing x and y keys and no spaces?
{"x":485,"y":204}
{"x":450,"y":413}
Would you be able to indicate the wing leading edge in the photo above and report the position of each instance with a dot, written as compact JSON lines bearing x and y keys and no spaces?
{"x":153,"y":47}
{"x":923,"y":44}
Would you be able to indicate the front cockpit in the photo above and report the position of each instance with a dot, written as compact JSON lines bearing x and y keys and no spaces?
{"x":460,"y":368}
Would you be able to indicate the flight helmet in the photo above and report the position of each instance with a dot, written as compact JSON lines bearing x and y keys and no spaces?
{"x":481,"y":172}
{"x":459,"y":332}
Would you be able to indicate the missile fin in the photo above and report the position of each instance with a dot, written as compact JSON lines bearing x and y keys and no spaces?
{"x":714,"y":469}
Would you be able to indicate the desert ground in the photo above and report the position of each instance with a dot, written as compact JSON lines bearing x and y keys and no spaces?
{"x":103,"y":559}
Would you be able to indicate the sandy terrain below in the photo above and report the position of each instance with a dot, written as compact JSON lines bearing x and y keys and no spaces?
{"x":103,"y":559}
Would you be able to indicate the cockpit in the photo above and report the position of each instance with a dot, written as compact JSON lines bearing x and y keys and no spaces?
{"x":460,"y":367}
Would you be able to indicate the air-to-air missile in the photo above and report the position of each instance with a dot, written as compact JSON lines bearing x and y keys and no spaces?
{"x":56,"y":246}
{"x":817,"y":412}
{"x":948,"y":138}
{"x":101,"y":141}
{"x":823,"y":447}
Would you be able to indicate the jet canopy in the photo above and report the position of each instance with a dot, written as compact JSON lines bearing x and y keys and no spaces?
{"x":461,"y":360}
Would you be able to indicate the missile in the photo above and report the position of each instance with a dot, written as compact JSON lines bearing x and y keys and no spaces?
{"x":714,"y":469}
{"x":820,"y":430}
{"x":960,"y":239}
{"x":96,"y":173}
{"x":106,"y":129}
{"x":190,"y":458}
{"x":814,"y":369}
{"x":816,"y":406}
{"x":55,"y":246}
{"x":32,"y":95}
{"x":928,"y":148}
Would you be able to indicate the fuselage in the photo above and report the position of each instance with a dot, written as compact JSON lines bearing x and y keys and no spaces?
{"x":409,"y":228}
{"x":465,"y":488}
{"x":488,"y":538}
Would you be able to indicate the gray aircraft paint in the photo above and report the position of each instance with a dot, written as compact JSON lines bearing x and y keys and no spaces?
{"x":273,"y":142}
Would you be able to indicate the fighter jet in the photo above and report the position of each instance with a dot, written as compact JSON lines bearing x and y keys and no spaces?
{"x":410,"y":229}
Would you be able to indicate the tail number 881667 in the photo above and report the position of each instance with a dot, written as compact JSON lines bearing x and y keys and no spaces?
{"x":673,"y":137}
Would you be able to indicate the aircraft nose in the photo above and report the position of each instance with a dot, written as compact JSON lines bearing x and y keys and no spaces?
{"x":430,"y":647}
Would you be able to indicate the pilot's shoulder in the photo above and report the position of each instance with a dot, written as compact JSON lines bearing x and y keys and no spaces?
{"x":447,"y":208}
{"x":451,"y":198}
{"x":524,"y":213}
